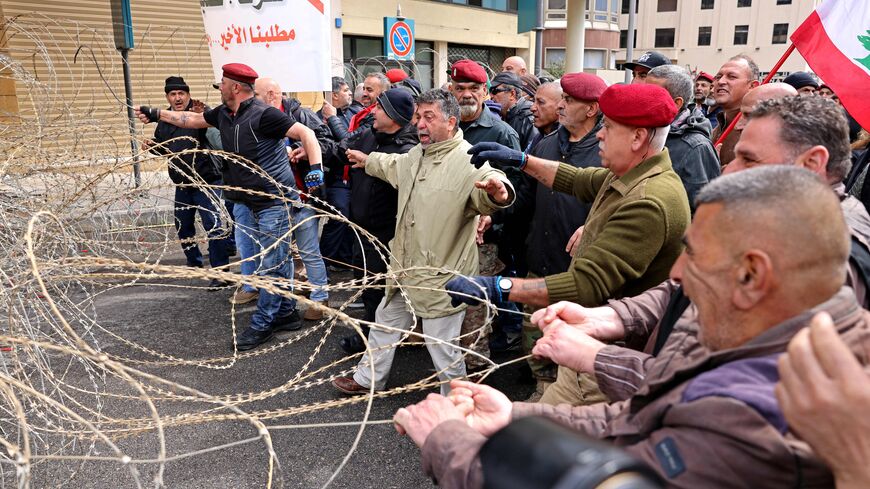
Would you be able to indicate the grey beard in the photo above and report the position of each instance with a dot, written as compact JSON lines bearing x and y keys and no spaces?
{"x":466,"y":111}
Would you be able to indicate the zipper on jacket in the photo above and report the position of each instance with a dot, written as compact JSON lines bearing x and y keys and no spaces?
{"x":237,"y":138}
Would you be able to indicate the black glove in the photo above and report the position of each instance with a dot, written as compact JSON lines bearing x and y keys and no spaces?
{"x":497,"y":154}
{"x":473,"y":290}
{"x":152,"y":113}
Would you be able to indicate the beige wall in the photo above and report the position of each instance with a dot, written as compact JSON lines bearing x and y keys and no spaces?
{"x":722,"y":18}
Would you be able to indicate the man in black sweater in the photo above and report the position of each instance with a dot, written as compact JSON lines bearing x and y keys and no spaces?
{"x":373,"y":202}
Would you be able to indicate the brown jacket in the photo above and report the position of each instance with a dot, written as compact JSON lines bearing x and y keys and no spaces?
{"x":700,"y":419}
{"x":619,"y":371}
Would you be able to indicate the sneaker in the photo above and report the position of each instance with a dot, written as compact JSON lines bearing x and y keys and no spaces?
{"x":313,"y":313}
{"x":242,"y":296}
{"x":252,"y":338}
{"x":217,"y":284}
{"x":504,"y":343}
{"x":347,"y":385}
{"x":290,"y":322}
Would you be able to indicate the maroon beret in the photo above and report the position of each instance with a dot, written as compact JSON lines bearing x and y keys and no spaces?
{"x":638,"y":105}
{"x":583,"y":86}
{"x":240,"y":73}
{"x":705,"y":76}
{"x":466,"y":70}
{"x":396,"y":75}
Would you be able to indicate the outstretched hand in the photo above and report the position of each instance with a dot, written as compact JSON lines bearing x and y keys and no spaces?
{"x":495,"y":188}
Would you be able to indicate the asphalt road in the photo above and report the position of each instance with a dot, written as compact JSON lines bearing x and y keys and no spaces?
{"x":174,"y":318}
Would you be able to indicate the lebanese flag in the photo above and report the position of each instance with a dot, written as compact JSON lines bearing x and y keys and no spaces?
{"x":835,"y":42}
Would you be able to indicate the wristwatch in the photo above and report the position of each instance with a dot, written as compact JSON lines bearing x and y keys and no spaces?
{"x":505,"y":284}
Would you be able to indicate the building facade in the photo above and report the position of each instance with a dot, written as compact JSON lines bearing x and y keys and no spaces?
{"x":59,"y":67}
{"x":702,"y":34}
{"x":601,"y":33}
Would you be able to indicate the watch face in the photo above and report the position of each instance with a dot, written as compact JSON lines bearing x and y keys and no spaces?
{"x":505,"y":284}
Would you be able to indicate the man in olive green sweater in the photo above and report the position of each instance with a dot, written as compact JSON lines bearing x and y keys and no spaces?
{"x":634,"y":230}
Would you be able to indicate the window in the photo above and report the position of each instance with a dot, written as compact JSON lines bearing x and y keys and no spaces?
{"x":601,"y":5}
{"x":503,"y":5}
{"x":362,"y":54}
{"x":665,"y":38}
{"x":594,"y":58}
{"x":623,"y":39}
{"x":554,"y":58}
{"x":744,"y":3}
{"x":741,"y":34}
{"x":707,"y":4}
{"x":667,"y":6}
{"x":780,"y":34}
{"x":625,"y":5}
{"x":783,"y":2}
{"x":556,"y":10}
{"x":705,"y":33}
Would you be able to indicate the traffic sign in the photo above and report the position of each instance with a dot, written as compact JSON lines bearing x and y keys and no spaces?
{"x":399,"y":39}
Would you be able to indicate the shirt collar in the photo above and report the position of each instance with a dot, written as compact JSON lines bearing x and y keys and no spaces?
{"x":655,"y":164}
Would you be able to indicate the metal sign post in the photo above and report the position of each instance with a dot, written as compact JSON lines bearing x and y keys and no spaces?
{"x":122,"y":21}
{"x":399,"y":38}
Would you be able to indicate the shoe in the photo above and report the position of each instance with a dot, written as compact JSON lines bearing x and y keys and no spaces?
{"x":232,"y":251}
{"x":349,"y":386}
{"x":352,"y":344}
{"x":252,"y":338}
{"x":217,"y":284}
{"x":356,"y":305}
{"x":336,"y":268}
{"x":290,"y":322}
{"x":242,"y":296}
{"x":313,"y":313}
{"x":503,"y":343}
{"x":194,"y":265}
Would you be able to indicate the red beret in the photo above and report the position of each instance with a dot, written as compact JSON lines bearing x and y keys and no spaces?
{"x":583,"y":86}
{"x":396,"y":75}
{"x":706,"y":76}
{"x":466,"y":70}
{"x":240,"y":73}
{"x":638,"y":105}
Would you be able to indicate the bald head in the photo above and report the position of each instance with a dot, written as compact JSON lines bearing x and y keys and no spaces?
{"x":268,"y":91}
{"x":514,"y":64}
{"x":769,"y":91}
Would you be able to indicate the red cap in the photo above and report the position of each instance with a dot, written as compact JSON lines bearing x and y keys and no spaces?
{"x":240,"y":73}
{"x":583,"y":86}
{"x":466,"y":70}
{"x":396,"y":75}
{"x":638,"y":105}
{"x":705,"y":76}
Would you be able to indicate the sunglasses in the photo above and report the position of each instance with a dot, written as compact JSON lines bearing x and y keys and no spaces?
{"x":495,"y":90}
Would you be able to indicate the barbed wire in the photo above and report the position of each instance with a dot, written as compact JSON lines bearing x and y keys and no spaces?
{"x":74,"y":227}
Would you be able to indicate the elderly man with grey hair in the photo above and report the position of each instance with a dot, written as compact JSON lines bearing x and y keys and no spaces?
{"x":692,"y":153}
{"x":707,"y":404}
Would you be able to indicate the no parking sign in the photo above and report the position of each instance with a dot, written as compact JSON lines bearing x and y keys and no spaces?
{"x":399,"y":38}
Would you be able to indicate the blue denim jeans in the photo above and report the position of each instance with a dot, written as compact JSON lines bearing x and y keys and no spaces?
{"x":309,"y":250}
{"x":189,"y":200}
{"x":271,"y":226}
{"x":245,"y":244}
{"x":336,"y":243}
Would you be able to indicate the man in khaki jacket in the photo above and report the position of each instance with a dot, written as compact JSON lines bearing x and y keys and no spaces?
{"x":441,"y":196}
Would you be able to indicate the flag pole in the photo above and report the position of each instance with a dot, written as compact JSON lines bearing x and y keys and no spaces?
{"x":766,"y":80}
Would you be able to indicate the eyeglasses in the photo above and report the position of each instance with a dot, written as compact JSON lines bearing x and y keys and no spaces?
{"x":495,"y":90}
